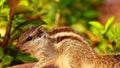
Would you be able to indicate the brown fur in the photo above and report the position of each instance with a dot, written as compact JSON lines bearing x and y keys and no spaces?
{"x":64,"y":51}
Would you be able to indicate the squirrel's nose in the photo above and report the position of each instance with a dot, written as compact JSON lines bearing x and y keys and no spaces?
{"x":45,"y":35}
{"x":17,"y":47}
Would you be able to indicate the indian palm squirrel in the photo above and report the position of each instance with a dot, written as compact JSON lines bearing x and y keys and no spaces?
{"x":63,"y":48}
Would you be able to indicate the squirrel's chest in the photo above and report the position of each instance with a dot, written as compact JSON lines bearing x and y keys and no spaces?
{"x":63,"y":61}
{"x":84,"y":65}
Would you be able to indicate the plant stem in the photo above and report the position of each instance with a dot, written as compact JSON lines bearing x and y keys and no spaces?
{"x":57,"y":19}
{"x":7,"y":34}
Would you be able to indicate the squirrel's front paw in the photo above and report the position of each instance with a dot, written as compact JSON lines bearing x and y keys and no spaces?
{"x":37,"y":66}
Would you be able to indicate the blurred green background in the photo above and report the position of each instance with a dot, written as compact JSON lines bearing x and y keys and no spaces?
{"x":81,"y":15}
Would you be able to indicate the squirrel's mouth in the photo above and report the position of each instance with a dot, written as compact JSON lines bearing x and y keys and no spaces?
{"x":22,"y":49}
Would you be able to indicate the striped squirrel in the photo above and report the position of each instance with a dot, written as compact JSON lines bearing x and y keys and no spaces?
{"x":63,"y":48}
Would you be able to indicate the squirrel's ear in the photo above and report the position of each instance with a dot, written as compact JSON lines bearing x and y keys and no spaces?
{"x":31,"y":27}
{"x":40,"y":29}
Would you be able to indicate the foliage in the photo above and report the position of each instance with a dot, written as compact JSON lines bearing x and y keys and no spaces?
{"x":18,"y":18}
{"x":5,"y":59}
{"x":17,"y":15}
{"x":109,"y":35}
{"x":99,"y":29}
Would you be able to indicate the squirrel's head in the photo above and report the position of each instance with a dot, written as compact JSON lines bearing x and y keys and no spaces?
{"x":37,"y":41}
{"x":32,"y":39}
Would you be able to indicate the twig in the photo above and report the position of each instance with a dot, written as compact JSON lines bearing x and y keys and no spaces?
{"x":57,"y":19}
{"x":8,"y":29}
{"x":93,"y":38}
{"x":7,"y":35}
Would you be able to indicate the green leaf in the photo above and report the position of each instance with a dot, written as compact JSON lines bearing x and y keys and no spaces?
{"x":108,"y":24}
{"x":23,"y":26}
{"x":35,"y":22}
{"x":22,"y":9}
{"x":6,"y":60}
{"x":96,"y":32}
{"x":78,"y":27}
{"x":118,"y":49}
{"x":110,"y":34}
{"x":117,"y":28}
{"x":2,"y":2}
{"x":96,"y":24}
{"x":90,"y":14}
{"x":1,"y":52}
{"x":24,"y":2}
{"x":117,"y":33}
{"x":102,"y":46}
{"x":26,"y":58}
{"x":96,"y":28}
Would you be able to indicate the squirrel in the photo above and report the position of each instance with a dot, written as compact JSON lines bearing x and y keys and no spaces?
{"x":63,"y":48}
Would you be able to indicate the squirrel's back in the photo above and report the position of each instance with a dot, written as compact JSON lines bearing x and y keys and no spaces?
{"x":79,"y":53}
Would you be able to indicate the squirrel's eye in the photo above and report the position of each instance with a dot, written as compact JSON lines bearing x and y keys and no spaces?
{"x":29,"y":38}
